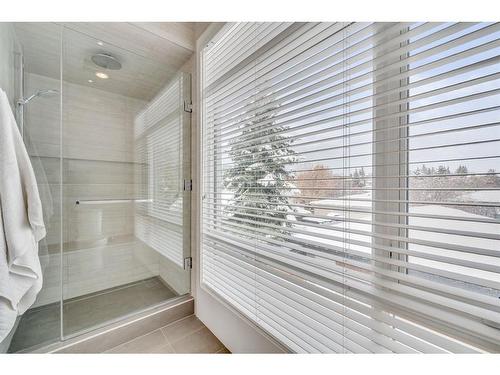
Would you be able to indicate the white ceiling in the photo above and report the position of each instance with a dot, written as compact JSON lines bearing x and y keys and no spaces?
{"x":150,"y":53}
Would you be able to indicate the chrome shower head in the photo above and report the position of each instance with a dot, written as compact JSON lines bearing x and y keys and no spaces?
{"x":47,"y":92}
{"x":106,"y":61}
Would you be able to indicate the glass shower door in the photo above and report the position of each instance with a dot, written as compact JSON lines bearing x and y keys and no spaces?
{"x":125,"y":162}
{"x":108,"y":136}
{"x":37,"y":74}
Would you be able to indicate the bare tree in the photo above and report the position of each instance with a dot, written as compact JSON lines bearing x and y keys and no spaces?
{"x":318,"y":183}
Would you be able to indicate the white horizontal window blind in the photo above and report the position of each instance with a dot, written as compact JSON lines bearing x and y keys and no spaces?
{"x":351,"y":183}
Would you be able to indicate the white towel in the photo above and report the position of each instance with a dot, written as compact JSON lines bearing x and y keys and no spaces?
{"x":21,"y":224}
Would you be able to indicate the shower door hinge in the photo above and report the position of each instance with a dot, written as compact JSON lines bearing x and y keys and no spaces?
{"x":188,"y":185}
{"x":188,"y":107}
{"x":188,"y":263}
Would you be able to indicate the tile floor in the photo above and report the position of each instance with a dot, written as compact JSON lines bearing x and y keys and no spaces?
{"x":42,"y":324}
{"x":187,"y":335}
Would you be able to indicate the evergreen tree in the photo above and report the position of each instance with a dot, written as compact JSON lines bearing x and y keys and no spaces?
{"x":258,"y":177}
{"x":362,"y":177}
{"x":355,"y":178}
{"x":491,"y":178}
{"x":423,"y":171}
{"x":443,"y":170}
{"x":462,"y":169}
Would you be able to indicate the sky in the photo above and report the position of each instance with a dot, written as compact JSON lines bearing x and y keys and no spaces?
{"x":310,"y":151}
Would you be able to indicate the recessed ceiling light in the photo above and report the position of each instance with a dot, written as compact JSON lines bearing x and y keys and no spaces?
{"x":90,"y":81}
{"x":100,"y":43}
{"x":102,"y":75}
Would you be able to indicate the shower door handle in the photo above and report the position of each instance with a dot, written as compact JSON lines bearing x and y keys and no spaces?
{"x":112,"y":201}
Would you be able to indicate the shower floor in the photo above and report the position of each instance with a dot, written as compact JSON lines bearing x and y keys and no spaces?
{"x":42,"y":324}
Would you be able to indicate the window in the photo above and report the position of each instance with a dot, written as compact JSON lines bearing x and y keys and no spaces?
{"x":350,"y":183}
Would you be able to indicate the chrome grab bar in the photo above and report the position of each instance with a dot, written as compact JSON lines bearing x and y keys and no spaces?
{"x":108,"y":201}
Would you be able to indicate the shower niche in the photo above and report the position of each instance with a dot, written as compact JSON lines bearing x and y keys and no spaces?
{"x":109,"y":139}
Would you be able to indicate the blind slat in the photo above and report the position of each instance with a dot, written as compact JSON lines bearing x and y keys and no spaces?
{"x":351,"y":183}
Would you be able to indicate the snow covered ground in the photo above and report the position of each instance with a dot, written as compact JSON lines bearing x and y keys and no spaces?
{"x":357,"y":200}
{"x":483,"y":196}
{"x":453,"y":225}
{"x":468,"y":226}
{"x":337,"y":207}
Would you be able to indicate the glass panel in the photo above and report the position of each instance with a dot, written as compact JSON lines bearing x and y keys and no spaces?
{"x":37,"y":75}
{"x":124,"y":165}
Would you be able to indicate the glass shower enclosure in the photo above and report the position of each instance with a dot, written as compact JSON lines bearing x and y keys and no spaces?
{"x":108,"y":135}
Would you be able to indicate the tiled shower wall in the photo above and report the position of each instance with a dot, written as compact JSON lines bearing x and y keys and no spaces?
{"x":100,"y":250}
{"x":8,"y":67}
